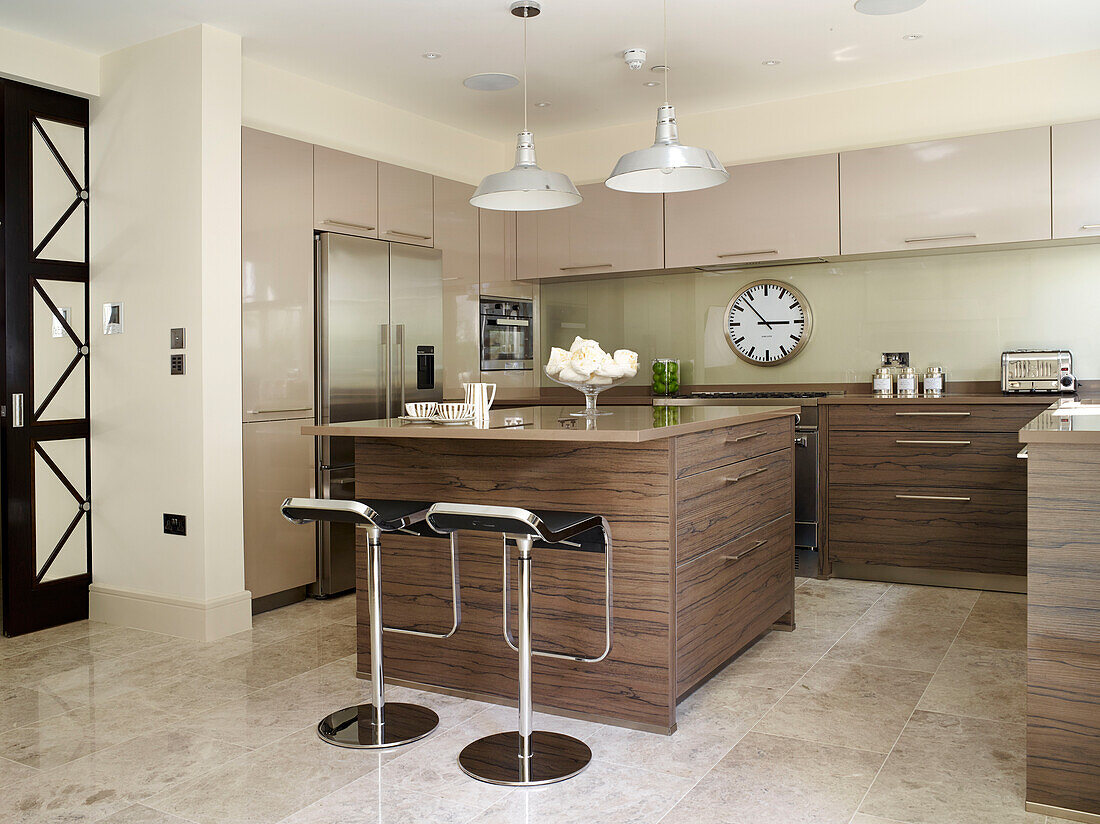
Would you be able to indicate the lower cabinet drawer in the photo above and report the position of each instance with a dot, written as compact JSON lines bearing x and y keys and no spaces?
{"x":716,"y":506}
{"x":729,"y":596}
{"x":940,"y":415}
{"x":701,"y":451}
{"x":966,"y":530}
{"x":970,"y":459}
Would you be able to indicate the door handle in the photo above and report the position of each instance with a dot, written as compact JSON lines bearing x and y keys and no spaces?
{"x":966,"y":236}
{"x":408,"y":234}
{"x":17,"y":410}
{"x":744,"y":552}
{"x":932,"y":443}
{"x":755,"y":252}
{"x":347,"y":225}
{"x":744,"y":475}
{"x":933,"y":497}
{"x":388,"y":370}
{"x":746,"y":437}
{"x":401,"y":362}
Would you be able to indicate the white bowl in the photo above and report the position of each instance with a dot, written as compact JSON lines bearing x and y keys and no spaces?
{"x":454,"y":411}
{"x":421,"y":410}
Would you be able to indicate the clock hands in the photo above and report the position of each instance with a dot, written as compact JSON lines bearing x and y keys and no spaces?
{"x":758,"y":315}
{"x":763,"y":322}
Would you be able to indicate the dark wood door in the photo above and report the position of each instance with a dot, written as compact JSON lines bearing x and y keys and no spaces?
{"x":46,"y":478}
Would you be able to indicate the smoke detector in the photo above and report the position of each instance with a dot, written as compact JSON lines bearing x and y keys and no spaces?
{"x":634,"y":59}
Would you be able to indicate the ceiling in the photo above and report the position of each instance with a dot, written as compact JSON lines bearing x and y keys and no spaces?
{"x":374,"y":47}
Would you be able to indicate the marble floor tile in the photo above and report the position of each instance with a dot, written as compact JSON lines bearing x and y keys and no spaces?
{"x":850,"y":705}
{"x":755,"y":671}
{"x":803,"y":645}
{"x":863,"y":818}
{"x":118,"y":641}
{"x":834,"y":604}
{"x":980,"y":682}
{"x":32,"y":641}
{"x":101,"y":678}
{"x":767,"y":779}
{"x":22,"y":706}
{"x":187,"y":695}
{"x":10,"y":772}
{"x":27,"y":668}
{"x":268,"y":784}
{"x":264,"y":665}
{"x":278,"y":624}
{"x":140,"y":814}
{"x":688,"y":753}
{"x":608,"y":793}
{"x":944,"y":601}
{"x":906,"y":636}
{"x":999,"y":619}
{"x":946,"y":769}
{"x":725,"y":707}
{"x":85,"y":730}
{"x":370,"y":800}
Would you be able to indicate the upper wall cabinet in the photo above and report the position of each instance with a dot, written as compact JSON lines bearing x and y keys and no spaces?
{"x":767,"y":211}
{"x":608,"y":231}
{"x":405,"y":211}
{"x":1075,"y":154}
{"x":345,"y":193}
{"x":990,"y":188}
{"x":498,"y":245}
{"x":277,"y":277}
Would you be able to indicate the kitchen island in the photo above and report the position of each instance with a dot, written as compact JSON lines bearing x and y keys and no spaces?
{"x":1063,"y":611}
{"x":700,"y":506}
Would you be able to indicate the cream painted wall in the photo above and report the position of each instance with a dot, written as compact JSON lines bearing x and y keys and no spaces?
{"x":304,"y":109}
{"x":1032,"y":93}
{"x":45,"y":63}
{"x":959,"y":311}
{"x":165,"y":137}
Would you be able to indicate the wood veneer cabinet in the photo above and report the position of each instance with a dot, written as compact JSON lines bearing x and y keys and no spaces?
{"x":609,"y":231}
{"x":929,"y":485}
{"x":345,"y":193}
{"x":778,"y":210}
{"x":456,"y":236}
{"x":1075,"y":177}
{"x":989,"y":188}
{"x":405,"y":210}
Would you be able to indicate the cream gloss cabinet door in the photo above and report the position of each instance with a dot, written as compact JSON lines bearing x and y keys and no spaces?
{"x":405,"y":210}
{"x":967,"y":191}
{"x":778,"y":210}
{"x":456,"y":236}
{"x":609,"y":231}
{"x":345,"y":193}
{"x":1075,"y":155}
{"x":276,"y":277}
{"x":498,"y":245}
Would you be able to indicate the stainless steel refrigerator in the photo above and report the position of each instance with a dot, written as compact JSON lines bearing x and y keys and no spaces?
{"x":379,"y":345}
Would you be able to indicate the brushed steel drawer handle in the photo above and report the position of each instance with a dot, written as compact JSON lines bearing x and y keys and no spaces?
{"x":1091,"y":226}
{"x":744,"y":552}
{"x":273,"y":411}
{"x":744,"y":475}
{"x":743,"y":254}
{"x":408,"y":234}
{"x":968,"y":236}
{"x":349,"y":225}
{"x":935,"y":443}
{"x":589,"y":266}
{"x":933,"y":497}
{"x":746,"y":437}
{"x":934,"y":414}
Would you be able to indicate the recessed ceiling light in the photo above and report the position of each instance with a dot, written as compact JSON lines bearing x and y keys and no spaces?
{"x":659,"y":69}
{"x":431,"y":55}
{"x":652,"y":83}
{"x":771,"y":62}
{"x":886,"y":6}
{"x":542,"y":104}
{"x":912,"y":37}
{"x":491,"y":81}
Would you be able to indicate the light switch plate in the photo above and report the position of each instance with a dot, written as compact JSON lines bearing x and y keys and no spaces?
{"x":58,"y":329}
{"x":178,"y":338}
{"x":112,"y":319}
{"x":178,"y":365}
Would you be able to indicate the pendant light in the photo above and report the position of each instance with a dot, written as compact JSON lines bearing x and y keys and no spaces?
{"x":667,"y":166}
{"x":525,"y":187}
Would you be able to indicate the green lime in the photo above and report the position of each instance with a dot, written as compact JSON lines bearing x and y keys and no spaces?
{"x":658,"y":367}
{"x":673,"y":385}
{"x":660,"y":387}
{"x":673,"y":369}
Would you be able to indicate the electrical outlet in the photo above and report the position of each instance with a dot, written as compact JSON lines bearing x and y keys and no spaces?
{"x":895,"y":358}
{"x":175,"y":524}
{"x":177,"y":338}
{"x":178,"y":365}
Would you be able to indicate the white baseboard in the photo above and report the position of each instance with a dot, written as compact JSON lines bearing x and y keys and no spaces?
{"x":169,"y":614}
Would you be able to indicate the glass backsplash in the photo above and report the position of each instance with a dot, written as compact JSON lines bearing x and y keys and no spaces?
{"x":958,"y":311}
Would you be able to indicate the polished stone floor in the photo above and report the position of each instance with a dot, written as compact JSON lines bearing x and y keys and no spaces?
{"x":887,"y":704}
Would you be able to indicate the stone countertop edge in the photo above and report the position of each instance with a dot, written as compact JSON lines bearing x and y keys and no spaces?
{"x":948,"y":399}
{"x":1049,"y":428}
{"x":370,"y":429}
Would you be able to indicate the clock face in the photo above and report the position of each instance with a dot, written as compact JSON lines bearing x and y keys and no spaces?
{"x":768,"y":322}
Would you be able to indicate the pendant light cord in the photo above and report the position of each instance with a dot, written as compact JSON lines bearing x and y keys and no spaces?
{"x":525,"y":11}
{"x":668,"y":69}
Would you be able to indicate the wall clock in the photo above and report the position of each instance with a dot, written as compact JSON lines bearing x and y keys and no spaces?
{"x":768,"y":322}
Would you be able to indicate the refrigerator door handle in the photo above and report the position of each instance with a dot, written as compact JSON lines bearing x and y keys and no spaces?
{"x":385,"y":341}
{"x":401,"y":363}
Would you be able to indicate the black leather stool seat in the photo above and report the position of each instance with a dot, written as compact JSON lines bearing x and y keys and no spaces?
{"x":548,"y":527}
{"x":389,"y":516}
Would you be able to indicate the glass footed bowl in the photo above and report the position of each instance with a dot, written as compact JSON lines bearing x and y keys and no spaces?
{"x":590,"y":391}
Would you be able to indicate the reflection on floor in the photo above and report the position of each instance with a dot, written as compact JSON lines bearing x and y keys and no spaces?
{"x":887,"y":704}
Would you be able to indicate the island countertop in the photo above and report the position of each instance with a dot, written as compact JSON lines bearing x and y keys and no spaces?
{"x":1067,"y":422}
{"x":625,"y":424}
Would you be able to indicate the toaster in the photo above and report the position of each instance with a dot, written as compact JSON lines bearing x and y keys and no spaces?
{"x":1032,"y":370}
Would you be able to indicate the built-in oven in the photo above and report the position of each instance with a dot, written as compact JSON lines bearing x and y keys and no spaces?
{"x":507,"y":334}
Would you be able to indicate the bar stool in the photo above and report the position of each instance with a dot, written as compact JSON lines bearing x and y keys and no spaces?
{"x":527,"y":757}
{"x":378,"y":725}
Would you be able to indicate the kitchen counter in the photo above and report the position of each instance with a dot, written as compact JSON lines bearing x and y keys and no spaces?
{"x":962,"y":399}
{"x":625,"y":424}
{"x":700,"y":504}
{"x":1067,"y":422}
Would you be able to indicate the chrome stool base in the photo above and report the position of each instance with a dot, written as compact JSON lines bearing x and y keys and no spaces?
{"x":496,"y":759}
{"x":354,"y":727}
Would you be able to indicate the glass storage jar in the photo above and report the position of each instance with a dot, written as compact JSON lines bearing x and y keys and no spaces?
{"x":666,"y":376}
